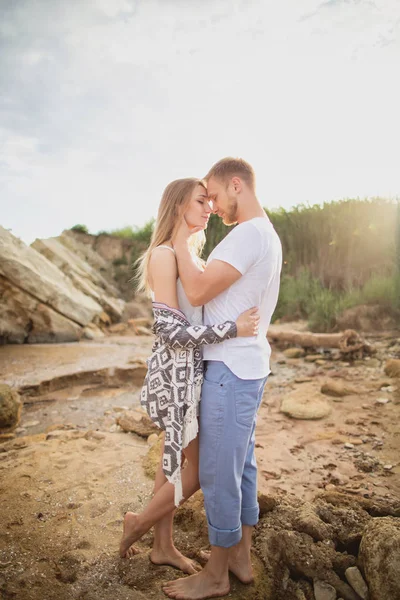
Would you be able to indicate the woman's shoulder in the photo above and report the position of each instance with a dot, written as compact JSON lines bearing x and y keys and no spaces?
{"x":163,"y":260}
{"x":163,"y":247}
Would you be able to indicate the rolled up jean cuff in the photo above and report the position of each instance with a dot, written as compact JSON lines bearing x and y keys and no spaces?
{"x":249,"y":516}
{"x":224,"y":537}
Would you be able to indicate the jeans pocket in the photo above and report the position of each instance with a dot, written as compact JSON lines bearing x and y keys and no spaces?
{"x":246,"y":403}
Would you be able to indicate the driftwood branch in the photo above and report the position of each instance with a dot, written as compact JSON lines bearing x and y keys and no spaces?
{"x":347,"y":342}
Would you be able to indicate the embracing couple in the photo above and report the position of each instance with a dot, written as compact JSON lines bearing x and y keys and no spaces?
{"x":211,"y":322}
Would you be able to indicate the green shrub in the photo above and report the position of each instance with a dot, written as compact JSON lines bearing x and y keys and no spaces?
{"x":80,"y":228}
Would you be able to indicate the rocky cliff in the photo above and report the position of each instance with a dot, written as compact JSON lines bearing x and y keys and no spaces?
{"x":55,"y":290}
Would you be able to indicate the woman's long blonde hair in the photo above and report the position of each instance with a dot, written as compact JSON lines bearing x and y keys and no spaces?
{"x":174,"y":201}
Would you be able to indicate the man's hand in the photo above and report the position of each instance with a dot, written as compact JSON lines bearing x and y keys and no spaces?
{"x":183,"y":233}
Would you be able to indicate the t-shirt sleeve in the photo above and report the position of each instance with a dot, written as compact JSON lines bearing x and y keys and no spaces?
{"x":241,"y":248}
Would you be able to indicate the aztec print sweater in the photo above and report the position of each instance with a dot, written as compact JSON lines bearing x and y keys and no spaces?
{"x":172,"y":387}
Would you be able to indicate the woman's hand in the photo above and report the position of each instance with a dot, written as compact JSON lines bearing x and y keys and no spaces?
{"x":247,"y":323}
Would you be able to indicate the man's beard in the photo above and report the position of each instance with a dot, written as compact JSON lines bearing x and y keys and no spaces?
{"x":230,"y":216}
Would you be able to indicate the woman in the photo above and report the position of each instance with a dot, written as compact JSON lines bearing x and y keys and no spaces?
{"x":171,"y":392}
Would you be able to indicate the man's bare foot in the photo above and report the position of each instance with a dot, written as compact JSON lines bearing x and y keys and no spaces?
{"x":171,"y":556}
{"x":239,"y":564}
{"x":130,"y":534}
{"x":196,"y":587}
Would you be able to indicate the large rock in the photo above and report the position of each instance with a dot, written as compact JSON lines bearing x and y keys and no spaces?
{"x":305,"y":403}
{"x":380,"y":558}
{"x":10,"y":407}
{"x":33,"y":273}
{"x":24,"y":319}
{"x":338,"y":389}
{"x":137,"y":421}
{"x":83,"y":276}
{"x":392,"y":367}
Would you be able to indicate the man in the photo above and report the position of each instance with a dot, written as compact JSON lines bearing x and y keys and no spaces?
{"x":242,"y":271}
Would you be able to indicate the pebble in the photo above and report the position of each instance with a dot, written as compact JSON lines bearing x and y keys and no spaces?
{"x":330,"y":487}
{"x":31,"y":424}
{"x":357,"y":582}
{"x":388,"y":467}
{"x":349,"y":446}
{"x":312,"y":357}
{"x":324,"y":591}
{"x":152,"y":439}
{"x":382,"y":401}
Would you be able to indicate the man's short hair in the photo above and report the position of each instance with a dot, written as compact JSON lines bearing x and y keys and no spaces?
{"x":226,"y":168}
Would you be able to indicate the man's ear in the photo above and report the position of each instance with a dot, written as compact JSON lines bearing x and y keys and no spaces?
{"x":236,"y":184}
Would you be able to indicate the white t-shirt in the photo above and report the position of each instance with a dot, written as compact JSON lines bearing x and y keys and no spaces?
{"x":254,"y":249}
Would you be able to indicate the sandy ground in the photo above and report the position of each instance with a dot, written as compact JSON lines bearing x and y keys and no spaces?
{"x":70,"y":474}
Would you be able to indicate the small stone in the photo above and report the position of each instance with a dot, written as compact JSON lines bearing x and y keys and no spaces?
{"x":388,"y":467}
{"x":31,"y":424}
{"x":312,"y":357}
{"x":357,"y":442}
{"x":320,"y":362}
{"x":365,"y":406}
{"x":330,"y":487}
{"x":357,"y":582}
{"x":152,"y":439}
{"x":294,"y":352}
{"x":20,"y":430}
{"x":382,"y":401}
{"x":94,"y":435}
{"x":324,"y":591}
{"x":348,"y":446}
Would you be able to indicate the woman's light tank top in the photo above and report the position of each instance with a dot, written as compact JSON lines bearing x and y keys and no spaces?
{"x":194,"y":314}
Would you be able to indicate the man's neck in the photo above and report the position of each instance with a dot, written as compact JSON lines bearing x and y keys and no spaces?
{"x":250,"y":209}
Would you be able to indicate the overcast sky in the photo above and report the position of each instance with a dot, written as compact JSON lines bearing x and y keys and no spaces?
{"x":103,"y":102}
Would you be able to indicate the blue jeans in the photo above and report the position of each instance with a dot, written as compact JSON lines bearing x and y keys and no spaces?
{"x":228,"y":469}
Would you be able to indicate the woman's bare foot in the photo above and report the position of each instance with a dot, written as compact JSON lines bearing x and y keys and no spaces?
{"x":239,"y":564}
{"x":196,"y":587}
{"x":130,"y":534}
{"x":171,"y":556}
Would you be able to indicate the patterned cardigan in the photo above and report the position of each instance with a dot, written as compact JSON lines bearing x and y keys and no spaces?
{"x":172,"y":386}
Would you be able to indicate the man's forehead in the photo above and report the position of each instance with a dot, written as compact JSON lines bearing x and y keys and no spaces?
{"x":212,"y":186}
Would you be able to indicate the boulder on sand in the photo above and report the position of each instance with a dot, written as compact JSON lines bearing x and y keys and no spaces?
{"x":305,"y":403}
{"x":10,"y":407}
{"x":380,"y":557}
